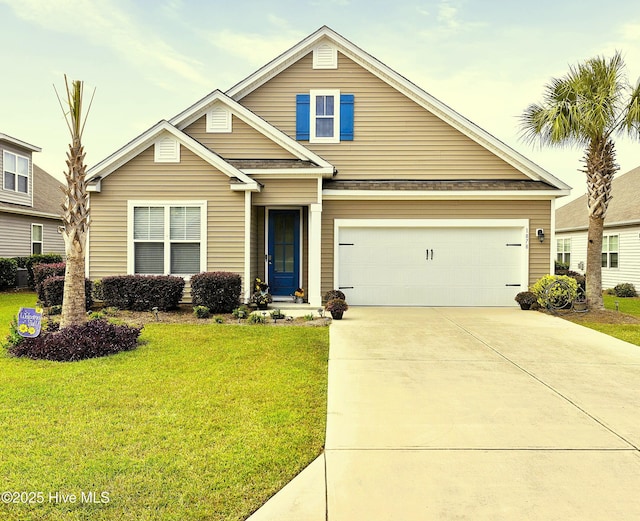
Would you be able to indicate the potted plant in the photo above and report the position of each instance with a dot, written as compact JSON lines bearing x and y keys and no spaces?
{"x":299,"y":295}
{"x":336,"y":307}
{"x":262,"y":298}
{"x":334,"y":293}
{"x":526,"y":299}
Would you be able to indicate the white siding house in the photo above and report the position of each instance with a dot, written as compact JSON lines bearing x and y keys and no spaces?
{"x":621,"y":243}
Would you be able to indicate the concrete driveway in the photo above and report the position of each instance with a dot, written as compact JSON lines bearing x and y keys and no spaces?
{"x":475,"y":413}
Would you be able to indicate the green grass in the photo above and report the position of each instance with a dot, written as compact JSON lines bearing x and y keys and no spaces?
{"x":627,"y":332}
{"x":201,"y":422}
{"x":631,"y":306}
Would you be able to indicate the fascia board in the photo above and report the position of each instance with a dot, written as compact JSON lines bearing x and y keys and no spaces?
{"x":408,"y":195}
{"x":19,"y":143}
{"x":290,"y":172}
{"x":405,"y":86}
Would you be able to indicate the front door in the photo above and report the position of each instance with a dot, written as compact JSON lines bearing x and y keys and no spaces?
{"x":284,"y":251}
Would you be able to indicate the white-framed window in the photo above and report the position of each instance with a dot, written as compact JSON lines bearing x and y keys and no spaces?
{"x":610,"y":245}
{"x":564,"y":251}
{"x":37,"y":239}
{"x":167,"y":238}
{"x":15,"y":176}
{"x":325,"y":116}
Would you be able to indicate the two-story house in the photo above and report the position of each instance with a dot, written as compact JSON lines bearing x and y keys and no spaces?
{"x":327,"y":169}
{"x":30,"y":202}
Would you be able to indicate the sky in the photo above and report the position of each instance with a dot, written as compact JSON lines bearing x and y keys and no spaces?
{"x":150,"y":59}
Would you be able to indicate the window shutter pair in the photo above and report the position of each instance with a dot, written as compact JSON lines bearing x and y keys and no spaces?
{"x":303,"y":115}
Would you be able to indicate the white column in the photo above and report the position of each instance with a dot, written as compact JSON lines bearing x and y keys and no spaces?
{"x":247,"y":282}
{"x":315,"y":250}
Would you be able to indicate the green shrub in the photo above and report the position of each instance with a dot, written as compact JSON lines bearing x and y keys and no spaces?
{"x":8,"y":272}
{"x":142,"y":292}
{"x":625,"y":289}
{"x":276,"y":314}
{"x":201,"y":311}
{"x":218,"y":290}
{"x":218,"y":320}
{"x":309,"y":317}
{"x":241,"y":312}
{"x":256,"y":318}
{"x":53,"y":292}
{"x":561,"y":268}
{"x":555,"y":291}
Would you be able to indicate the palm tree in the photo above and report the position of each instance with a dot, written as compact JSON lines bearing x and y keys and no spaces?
{"x":75,"y":210}
{"x":588,"y":107}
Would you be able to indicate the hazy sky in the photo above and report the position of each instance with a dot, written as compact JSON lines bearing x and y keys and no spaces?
{"x":149,"y":60}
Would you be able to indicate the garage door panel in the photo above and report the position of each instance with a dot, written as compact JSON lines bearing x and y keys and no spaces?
{"x":419,"y":266}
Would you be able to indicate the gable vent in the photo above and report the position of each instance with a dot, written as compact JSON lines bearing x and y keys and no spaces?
{"x":167,"y":150}
{"x":219,"y":120}
{"x":325,"y":56}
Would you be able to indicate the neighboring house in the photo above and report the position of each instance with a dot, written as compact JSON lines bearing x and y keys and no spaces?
{"x":621,"y":241}
{"x":326,"y":169}
{"x":30,"y":202}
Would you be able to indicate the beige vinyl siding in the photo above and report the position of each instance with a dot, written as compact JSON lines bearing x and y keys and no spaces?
{"x":538,"y":213}
{"x":15,"y":235}
{"x":394,"y":138}
{"x":142,"y":179}
{"x":286,"y":192}
{"x":244,"y":142}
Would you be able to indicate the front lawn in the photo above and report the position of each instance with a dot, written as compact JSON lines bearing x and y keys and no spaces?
{"x":200,"y":422}
{"x":623,"y":323}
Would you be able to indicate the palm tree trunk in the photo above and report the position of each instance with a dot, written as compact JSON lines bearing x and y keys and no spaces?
{"x":594,"y":262}
{"x":74,"y":303}
{"x":76,"y":223}
{"x":600,"y":169}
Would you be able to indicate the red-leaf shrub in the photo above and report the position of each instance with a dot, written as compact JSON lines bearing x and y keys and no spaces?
{"x":33,"y":260}
{"x":217,"y":290}
{"x":53,"y":292}
{"x":42,"y":272}
{"x":93,"y":339}
{"x":143,"y":292}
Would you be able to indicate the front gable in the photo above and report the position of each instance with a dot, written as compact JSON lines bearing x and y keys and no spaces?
{"x":399,"y":130}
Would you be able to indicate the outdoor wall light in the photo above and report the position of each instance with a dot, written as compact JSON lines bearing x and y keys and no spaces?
{"x":540,"y":234}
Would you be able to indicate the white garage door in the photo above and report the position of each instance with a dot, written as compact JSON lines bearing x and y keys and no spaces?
{"x":431,"y":266}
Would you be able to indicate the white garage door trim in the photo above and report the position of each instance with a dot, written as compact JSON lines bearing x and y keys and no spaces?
{"x":521,"y":224}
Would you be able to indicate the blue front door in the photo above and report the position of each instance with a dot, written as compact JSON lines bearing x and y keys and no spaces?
{"x":284,"y":251}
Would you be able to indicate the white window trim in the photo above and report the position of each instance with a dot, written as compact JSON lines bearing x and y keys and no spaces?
{"x":564,"y":252}
{"x":313,"y":94}
{"x":608,"y":252}
{"x":131,"y":204}
{"x":41,"y":242}
{"x":16,"y":174}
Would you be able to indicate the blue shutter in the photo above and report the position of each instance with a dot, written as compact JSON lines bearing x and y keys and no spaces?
{"x":346,"y":117}
{"x":302,"y":117}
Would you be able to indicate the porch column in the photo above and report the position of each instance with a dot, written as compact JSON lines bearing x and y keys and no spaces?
{"x":247,"y":285}
{"x":315,"y":250}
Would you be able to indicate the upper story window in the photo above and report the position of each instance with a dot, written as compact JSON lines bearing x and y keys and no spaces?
{"x":610,"y":251}
{"x":15,"y":172}
{"x":324,"y":116}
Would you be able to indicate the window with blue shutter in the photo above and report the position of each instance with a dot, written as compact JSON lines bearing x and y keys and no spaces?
{"x":317,"y":126}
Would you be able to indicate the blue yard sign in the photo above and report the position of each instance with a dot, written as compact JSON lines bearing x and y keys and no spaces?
{"x":29,"y":322}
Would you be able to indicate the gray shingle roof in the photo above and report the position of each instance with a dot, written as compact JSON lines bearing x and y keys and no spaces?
{"x":452,"y":185}
{"x":47,"y":196}
{"x":624,"y":207}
